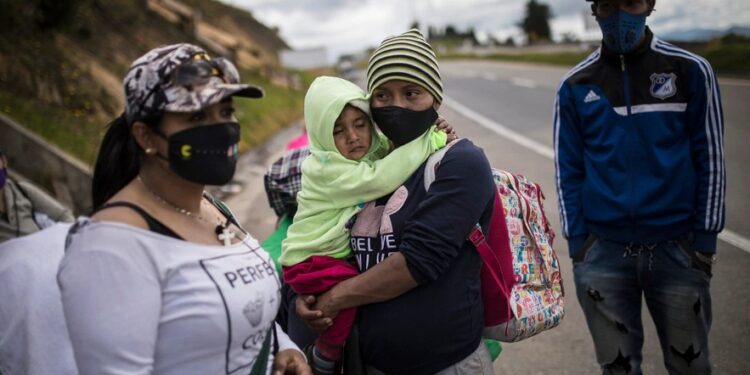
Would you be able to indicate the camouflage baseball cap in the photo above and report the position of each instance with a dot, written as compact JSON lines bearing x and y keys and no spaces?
{"x":180,"y":78}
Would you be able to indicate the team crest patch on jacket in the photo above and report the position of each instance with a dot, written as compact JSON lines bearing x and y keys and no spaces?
{"x":663,"y":85}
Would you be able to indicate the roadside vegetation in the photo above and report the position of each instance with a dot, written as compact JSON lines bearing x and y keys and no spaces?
{"x":728,"y":55}
{"x":556,"y":58}
{"x":79,"y":134}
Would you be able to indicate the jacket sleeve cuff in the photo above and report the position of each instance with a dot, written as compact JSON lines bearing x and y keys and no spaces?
{"x":575,"y":244}
{"x":705,"y":242}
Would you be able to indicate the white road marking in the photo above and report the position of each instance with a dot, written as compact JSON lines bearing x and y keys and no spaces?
{"x":727,"y":235}
{"x":501,"y":130}
{"x":523,"y":82}
{"x":735,"y":240}
{"x":489,"y":76}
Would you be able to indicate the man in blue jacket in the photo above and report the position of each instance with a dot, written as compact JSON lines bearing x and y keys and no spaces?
{"x":638,"y":131}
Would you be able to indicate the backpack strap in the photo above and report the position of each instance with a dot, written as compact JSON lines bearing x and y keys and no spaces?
{"x":476,"y":236}
{"x":430,"y":168}
{"x":490,"y":260}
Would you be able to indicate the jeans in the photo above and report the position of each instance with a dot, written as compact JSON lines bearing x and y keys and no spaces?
{"x":612,"y":279}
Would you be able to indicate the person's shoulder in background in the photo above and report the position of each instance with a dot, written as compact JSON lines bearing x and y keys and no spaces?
{"x":33,"y":335}
{"x":45,"y":204}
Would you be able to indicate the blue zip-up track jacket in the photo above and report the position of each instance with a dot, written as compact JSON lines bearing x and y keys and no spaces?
{"x":639,"y":149}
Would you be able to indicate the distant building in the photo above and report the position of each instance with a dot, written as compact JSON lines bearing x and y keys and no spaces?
{"x":304,"y":59}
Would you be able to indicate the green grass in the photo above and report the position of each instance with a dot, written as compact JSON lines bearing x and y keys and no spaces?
{"x":72,"y":131}
{"x":732,"y":59}
{"x":260,"y":119}
{"x":79,"y":135}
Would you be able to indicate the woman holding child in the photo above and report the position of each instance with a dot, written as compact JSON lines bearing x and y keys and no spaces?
{"x":349,"y":164}
{"x":419,"y":308}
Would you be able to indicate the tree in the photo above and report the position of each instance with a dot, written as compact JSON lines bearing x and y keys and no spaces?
{"x":450,"y":31}
{"x":536,"y":22}
{"x":472,"y":34}
{"x":432,"y":32}
{"x":569,"y":38}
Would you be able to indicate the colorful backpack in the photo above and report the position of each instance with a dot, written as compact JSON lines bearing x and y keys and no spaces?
{"x":522,"y":288}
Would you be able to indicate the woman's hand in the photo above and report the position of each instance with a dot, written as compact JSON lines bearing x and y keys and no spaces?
{"x":325,"y":305}
{"x":307,"y":311}
{"x":442,"y":124}
{"x":290,"y":361}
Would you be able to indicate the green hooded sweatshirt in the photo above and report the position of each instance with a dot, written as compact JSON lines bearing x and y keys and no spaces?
{"x":335,"y":188}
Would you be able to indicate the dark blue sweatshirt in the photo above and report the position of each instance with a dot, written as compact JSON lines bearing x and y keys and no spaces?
{"x":438,"y":323}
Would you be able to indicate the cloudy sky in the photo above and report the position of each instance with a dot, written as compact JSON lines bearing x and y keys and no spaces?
{"x":346,"y":26}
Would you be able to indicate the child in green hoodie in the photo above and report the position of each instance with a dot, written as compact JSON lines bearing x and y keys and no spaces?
{"x":350,"y":163}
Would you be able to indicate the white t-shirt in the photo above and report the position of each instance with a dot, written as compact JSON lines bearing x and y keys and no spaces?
{"x":33,"y":337}
{"x":137,"y":302}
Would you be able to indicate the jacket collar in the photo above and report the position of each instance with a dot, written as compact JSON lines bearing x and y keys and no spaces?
{"x":635,"y":54}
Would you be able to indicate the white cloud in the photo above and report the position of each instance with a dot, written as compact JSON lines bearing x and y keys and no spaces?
{"x":673,"y":15}
{"x":346,"y":26}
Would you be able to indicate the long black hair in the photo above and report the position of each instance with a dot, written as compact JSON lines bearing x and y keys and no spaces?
{"x":119,"y":159}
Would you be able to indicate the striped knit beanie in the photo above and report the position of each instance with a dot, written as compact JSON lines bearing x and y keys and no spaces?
{"x":406,"y":57}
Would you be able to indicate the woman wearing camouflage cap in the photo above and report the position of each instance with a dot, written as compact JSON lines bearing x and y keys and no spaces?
{"x":161,"y":278}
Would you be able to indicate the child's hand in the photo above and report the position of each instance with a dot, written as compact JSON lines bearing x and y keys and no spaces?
{"x":443,"y":125}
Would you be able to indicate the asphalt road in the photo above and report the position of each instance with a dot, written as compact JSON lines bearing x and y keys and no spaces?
{"x":506,"y":108}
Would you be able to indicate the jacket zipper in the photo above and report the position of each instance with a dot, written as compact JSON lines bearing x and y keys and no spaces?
{"x":626,"y":87}
{"x":626,"y":83}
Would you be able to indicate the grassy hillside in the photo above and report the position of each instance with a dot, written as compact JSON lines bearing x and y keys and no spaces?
{"x":62,"y":63}
{"x":238,"y":21}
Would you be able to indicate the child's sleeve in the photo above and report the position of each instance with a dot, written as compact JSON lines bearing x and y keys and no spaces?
{"x":369,"y":181}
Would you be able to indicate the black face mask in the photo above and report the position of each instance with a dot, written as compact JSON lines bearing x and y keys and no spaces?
{"x":403,"y":125}
{"x":206,"y":155}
